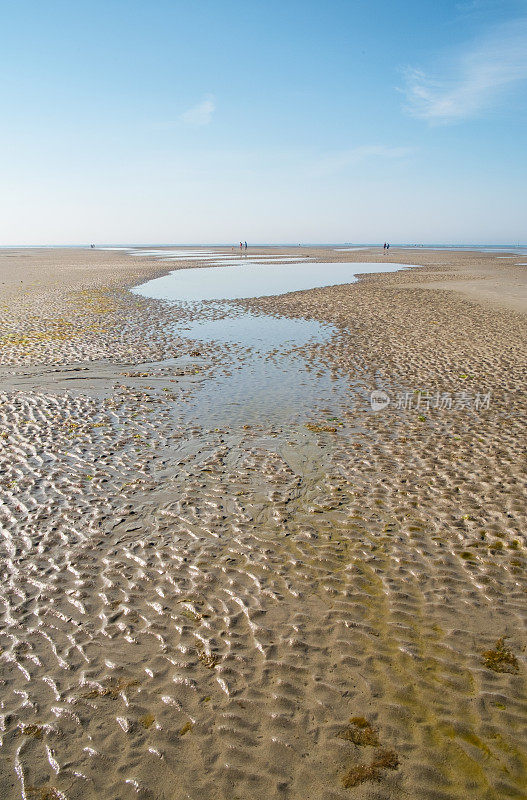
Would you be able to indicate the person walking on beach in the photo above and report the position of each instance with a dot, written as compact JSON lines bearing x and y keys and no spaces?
{"x":246,"y":245}
{"x":384,"y":248}
{"x":387,"y":245}
{"x":241,"y":247}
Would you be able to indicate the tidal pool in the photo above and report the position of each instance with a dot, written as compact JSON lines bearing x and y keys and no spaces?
{"x":254,"y":280}
{"x":269,"y":380}
{"x":260,"y":331}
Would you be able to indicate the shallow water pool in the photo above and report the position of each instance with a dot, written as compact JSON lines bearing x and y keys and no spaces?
{"x":271,"y":382}
{"x":254,"y":280}
{"x":260,"y":331}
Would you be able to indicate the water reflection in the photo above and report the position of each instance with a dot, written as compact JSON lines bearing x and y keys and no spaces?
{"x":253,"y":280}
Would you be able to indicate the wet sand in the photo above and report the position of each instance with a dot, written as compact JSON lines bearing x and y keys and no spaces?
{"x":332,"y":607}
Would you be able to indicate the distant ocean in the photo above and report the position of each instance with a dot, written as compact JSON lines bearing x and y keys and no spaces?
{"x":515,"y":249}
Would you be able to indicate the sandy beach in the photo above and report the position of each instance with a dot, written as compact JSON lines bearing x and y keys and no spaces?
{"x":327,"y":607}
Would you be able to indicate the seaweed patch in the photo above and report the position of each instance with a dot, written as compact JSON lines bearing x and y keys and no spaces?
{"x":501,"y":658}
{"x":385,"y":759}
{"x":360,"y":732}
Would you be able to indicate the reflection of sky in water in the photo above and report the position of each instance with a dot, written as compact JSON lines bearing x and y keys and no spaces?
{"x":232,"y":261}
{"x":258,"y":330}
{"x":255,"y":260}
{"x":264,"y":391}
{"x":166,"y":255}
{"x":520,"y":250}
{"x":214,"y":257}
{"x":260,"y":388}
{"x":230,"y":282}
{"x":169,"y":252}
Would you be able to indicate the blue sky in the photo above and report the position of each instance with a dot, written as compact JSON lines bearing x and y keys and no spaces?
{"x":218,"y":120}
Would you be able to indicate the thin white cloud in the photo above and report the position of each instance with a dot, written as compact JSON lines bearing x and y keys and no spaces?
{"x":472,"y":6}
{"x":336,"y":162}
{"x":200,"y":114}
{"x":488,"y":69}
{"x":483,"y":8}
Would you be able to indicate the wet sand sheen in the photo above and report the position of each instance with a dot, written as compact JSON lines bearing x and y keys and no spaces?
{"x":305,"y":606}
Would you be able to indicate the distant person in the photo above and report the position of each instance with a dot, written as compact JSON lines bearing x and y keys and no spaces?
{"x":384,"y":248}
{"x":246,"y":245}
{"x":387,"y":246}
{"x":241,"y":247}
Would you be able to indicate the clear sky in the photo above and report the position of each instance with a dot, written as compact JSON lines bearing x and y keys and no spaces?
{"x":151,"y":121}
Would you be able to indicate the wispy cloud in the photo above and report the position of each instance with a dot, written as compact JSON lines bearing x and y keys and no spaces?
{"x":489,"y":68}
{"x":485,"y":8}
{"x":338,"y":161}
{"x":200,"y":114}
{"x":466,"y":7}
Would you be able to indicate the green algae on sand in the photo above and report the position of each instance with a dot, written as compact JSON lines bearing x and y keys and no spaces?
{"x":44,"y":793}
{"x":360,"y":732}
{"x":501,"y":658}
{"x":113,"y":689}
{"x":320,"y":428}
{"x":186,"y":728}
{"x":385,"y":759}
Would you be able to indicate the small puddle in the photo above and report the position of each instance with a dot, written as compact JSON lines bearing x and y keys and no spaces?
{"x":259,"y":331}
{"x":268,"y":382}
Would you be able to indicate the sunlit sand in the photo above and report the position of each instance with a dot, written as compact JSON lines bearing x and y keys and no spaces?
{"x":224,"y":573}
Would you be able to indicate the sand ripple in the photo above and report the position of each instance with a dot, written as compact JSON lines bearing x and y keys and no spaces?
{"x":263,"y":611}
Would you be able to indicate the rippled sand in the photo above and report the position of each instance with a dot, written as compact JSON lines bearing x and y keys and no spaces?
{"x":332,"y":607}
